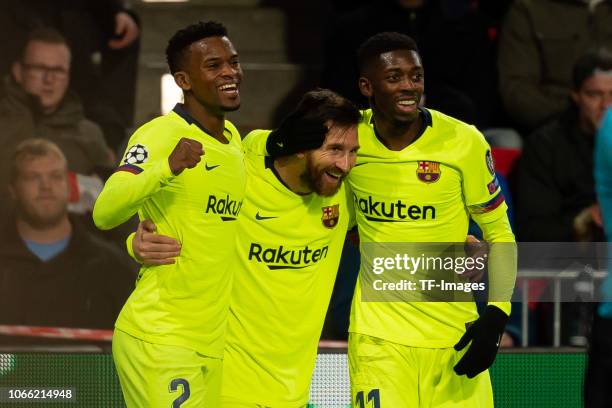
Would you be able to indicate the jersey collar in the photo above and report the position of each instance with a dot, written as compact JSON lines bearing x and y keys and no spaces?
{"x":269,"y":164}
{"x":427,"y":122}
{"x":179,"y":109}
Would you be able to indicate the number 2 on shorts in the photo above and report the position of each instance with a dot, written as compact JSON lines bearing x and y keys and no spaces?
{"x":174,"y":384}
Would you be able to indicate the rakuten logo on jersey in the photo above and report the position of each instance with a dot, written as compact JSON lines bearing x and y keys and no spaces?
{"x":393,"y":211}
{"x":286,"y":258}
{"x":227,"y":208}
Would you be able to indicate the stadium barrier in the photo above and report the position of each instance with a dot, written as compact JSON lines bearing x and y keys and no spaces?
{"x":521,"y":378}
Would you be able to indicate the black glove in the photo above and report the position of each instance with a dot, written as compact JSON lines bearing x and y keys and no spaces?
{"x":485,"y":335}
{"x":296,"y":134}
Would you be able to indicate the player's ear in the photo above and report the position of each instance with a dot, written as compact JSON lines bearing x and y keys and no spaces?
{"x":181,"y":78}
{"x":365,"y":87}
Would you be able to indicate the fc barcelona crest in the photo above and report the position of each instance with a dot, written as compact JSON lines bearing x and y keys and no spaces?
{"x":428,"y":171}
{"x":330,"y":215}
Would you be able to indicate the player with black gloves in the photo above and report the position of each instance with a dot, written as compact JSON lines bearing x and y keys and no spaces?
{"x":419,"y":178}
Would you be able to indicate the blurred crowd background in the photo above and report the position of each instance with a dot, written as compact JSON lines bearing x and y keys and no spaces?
{"x":78,"y":77}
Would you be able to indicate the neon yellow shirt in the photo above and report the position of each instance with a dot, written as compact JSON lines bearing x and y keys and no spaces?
{"x":289,"y":248}
{"x":183,"y":304}
{"x":424,"y":193}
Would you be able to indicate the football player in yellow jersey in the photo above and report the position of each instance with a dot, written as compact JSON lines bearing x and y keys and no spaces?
{"x":420,"y":176}
{"x":291,"y":230}
{"x":169,"y":337}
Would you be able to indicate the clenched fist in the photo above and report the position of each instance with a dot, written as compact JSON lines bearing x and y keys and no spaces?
{"x":186,"y":155}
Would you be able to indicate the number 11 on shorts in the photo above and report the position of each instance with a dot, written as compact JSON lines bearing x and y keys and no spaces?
{"x":373,"y":396}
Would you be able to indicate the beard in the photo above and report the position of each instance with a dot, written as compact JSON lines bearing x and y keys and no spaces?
{"x":39,"y":219}
{"x":314,"y":179}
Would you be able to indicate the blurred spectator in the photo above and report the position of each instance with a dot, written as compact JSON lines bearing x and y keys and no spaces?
{"x":539,"y":43}
{"x":104,"y":37}
{"x":597,"y":391}
{"x":556,"y":189}
{"x":37,"y":103}
{"x":603,"y":183}
{"x":54,"y":272}
{"x":455,"y":41}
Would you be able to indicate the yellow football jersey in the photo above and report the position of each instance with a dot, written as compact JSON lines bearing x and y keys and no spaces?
{"x":184,"y":304}
{"x":424,"y":193}
{"x":289,"y":248}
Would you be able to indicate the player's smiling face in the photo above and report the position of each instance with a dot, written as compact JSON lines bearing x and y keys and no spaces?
{"x":327,"y":166}
{"x":395,"y":84}
{"x":215,"y":74}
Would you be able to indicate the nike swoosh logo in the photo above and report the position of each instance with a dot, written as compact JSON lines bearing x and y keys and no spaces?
{"x":499,"y":340}
{"x":209,"y":168}
{"x":360,"y":164}
{"x":261,"y":217}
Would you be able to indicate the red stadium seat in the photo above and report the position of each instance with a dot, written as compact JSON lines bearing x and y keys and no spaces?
{"x":505,"y":159}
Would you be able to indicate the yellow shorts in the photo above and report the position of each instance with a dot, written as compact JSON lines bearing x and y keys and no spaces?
{"x":157,"y":375}
{"x":230,"y":402}
{"x":391,"y":375}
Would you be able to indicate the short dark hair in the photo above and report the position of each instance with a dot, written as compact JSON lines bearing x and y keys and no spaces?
{"x":183,"y":38}
{"x":381,"y":43}
{"x":314,"y":109}
{"x":589,"y":62}
{"x":46,"y":35}
{"x":324,"y":105}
